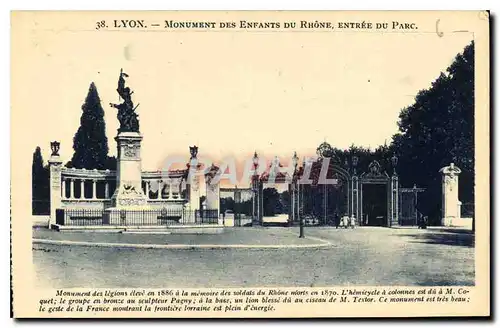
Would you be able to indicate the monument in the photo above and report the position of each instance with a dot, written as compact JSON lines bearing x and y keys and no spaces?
{"x":128,"y":193}
{"x":451,"y":204}
{"x":193,"y":185}
{"x":55,"y":164}
{"x":213,"y":189}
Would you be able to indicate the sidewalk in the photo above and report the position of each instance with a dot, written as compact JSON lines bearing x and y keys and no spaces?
{"x":231,"y":238}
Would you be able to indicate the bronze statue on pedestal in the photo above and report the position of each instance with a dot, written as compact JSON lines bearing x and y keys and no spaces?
{"x":128,"y":118}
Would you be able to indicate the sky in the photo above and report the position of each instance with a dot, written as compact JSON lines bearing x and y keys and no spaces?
{"x":229,"y":93}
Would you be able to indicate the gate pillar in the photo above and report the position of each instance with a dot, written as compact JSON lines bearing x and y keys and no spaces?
{"x":394,"y":193}
{"x":354,"y":206}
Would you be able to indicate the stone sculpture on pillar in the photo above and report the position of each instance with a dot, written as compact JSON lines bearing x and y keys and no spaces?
{"x":55,"y":164}
{"x":194,"y":184}
{"x":129,"y":193}
{"x":451,"y":204}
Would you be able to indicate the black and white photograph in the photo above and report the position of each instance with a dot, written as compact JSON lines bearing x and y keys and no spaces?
{"x":284,"y":160}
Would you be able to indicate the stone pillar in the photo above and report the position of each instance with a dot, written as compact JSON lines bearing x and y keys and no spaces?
{"x":129,"y":193}
{"x":394,"y":220}
{"x":94,"y":189}
{"x":160,"y":187}
{"x":451,"y":204}
{"x":72,"y":188}
{"x":55,"y":165}
{"x":355,"y":199}
{"x":63,"y":189}
{"x":106,"y":189}
{"x":194,"y":186}
{"x":82,"y":189}
{"x":170,"y":187}
{"x":147,"y":189}
{"x":213,"y":199}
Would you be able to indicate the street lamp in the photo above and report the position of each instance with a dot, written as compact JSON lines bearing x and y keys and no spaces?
{"x":295,"y":162}
{"x":255,"y":201}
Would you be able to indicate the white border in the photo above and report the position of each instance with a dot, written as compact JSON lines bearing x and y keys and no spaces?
{"x":6,"y":6}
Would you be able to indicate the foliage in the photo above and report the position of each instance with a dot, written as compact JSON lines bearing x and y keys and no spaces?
{"x":438,"y":129}
{"x":40,"y":192}
{"x":90,"y":143}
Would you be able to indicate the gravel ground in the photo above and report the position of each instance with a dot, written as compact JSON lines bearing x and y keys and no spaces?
{"x":231,"y":236}
{"x":363,"y":256}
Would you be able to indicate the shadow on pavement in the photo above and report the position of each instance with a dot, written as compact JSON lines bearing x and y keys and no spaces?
{"x":445,"y":283}
{"x":452,"y":239}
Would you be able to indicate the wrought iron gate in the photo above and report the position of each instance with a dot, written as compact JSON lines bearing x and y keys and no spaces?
{"x":408,"y":205}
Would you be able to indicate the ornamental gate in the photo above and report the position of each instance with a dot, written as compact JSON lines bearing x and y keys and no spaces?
{"x":375,"y":197}
{"x":408,"y":205}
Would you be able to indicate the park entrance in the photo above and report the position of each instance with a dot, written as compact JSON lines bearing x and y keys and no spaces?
{"x":374,"y":205}
{"x":320,"y":192}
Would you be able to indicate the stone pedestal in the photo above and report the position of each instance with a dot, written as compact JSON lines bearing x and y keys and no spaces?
{"x":451,"y":204}
{"x":213,"y":199}
{"x":128,"y":194}
{"x":55,"y":164}
{"x":194,"y":191}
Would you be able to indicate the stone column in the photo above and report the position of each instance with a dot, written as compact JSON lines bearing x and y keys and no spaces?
{"x":147,"y":189}
{"x":160,"y":187}
{"x":170,"y":187}
{"x":355,"y":199}
{"x":82,"y":189}
{"x":449,"y":189}
{"x":63,"y":189}
{"x":394,"y":220}
{"x":55,"y":166}
{"x":106,"y":189}
{"x":72,"y":188}
{"x":94,"y":189}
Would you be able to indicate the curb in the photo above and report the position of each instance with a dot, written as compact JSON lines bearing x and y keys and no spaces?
{"x":324,"y":244}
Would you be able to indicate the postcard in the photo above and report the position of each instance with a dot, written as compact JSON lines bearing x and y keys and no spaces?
{"x":250,"y":164}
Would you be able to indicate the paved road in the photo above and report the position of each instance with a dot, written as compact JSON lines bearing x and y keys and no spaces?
{"x":363,"y":256}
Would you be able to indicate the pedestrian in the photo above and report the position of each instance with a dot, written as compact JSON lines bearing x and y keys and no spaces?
{"x":337,"y":220}
{"x":422,"y":223}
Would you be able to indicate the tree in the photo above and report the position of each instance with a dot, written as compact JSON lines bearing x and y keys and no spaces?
{"x":271,"y":201}
{"x":227,"y":203}
{"x":90,"y":143}
{"x":40,"y":193}
{"x":437,"y":129}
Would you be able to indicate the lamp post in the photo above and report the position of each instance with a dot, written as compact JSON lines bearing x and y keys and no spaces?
{"x":255,"y":204}
{"x":355,"y":192}
{"x":295,"y":161}
{"x":395,"y":193}
{"x":301,"y":218}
